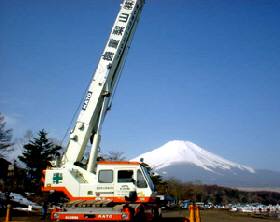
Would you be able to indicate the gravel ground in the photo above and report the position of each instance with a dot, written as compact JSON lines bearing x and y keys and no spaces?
{"x":215,"y":216}
{"x":177,"y":216}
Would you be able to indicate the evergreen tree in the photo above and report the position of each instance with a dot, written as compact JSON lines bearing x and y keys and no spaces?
{"x":36,"y":156}
{"x":5,"y":137}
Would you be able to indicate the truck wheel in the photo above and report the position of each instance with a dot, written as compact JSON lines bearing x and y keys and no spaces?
{"x":157,"y":214}
{"x":140,"y":215}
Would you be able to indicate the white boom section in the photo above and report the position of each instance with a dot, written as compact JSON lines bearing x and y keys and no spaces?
{"x":98,"y":98}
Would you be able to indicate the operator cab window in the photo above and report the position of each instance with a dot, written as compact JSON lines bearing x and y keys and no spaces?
{"x":125,"y":176}
{"x":141,"y":182}
{"x":105,"y":176}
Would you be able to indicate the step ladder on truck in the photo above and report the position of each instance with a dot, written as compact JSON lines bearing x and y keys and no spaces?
{"x":104,"y":190}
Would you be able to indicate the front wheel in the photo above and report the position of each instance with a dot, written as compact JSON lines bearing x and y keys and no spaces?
{"x":157,"y":216}
{"x":139,"y":215}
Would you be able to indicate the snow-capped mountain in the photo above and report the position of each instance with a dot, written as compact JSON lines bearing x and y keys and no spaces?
{"x":184,"y":152}
{"x":187,"y":161}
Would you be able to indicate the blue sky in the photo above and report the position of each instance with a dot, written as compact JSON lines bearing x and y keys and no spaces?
{"x":204,"y":71}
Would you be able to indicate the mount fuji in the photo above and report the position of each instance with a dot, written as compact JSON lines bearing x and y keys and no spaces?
{"x":187,"y":161}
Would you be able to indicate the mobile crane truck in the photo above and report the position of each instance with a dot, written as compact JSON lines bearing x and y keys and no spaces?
{"x":103,"y":190}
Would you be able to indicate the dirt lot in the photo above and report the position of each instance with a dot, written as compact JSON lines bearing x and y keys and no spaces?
{"x":178,"y":215}
{"x":215,"y":216}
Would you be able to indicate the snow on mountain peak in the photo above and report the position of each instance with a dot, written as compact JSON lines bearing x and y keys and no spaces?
{"x":185,"y":152}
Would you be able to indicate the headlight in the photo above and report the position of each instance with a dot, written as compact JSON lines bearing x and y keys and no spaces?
{"x":124,"y":216}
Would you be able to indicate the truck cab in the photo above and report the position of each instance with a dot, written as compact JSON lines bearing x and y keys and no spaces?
{"x":124,"y":180}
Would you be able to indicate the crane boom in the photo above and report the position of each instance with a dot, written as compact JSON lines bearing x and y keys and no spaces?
{"x":100,"y":91}
{"x":107,"y":190}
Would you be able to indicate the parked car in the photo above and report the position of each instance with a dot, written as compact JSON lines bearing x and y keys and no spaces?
{"x":185,"y":204}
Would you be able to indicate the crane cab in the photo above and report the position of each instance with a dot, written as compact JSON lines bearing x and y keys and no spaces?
{"x":125,"y":181}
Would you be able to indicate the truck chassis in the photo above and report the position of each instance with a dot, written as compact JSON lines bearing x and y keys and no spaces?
{"x":104,"y":210}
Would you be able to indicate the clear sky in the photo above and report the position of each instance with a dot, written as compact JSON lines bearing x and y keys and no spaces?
{"x":198,"y":70}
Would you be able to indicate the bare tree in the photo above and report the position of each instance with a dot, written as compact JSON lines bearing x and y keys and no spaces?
{"x":5,"y":137}
{"x":20,"y":142}
{"x":115,"y":156}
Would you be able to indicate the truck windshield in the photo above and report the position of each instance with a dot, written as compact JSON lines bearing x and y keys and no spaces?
{"x":148,"y":178}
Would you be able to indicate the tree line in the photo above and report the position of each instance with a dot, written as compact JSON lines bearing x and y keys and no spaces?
{"x":217,"y":195}
{"x":36,"y":156}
